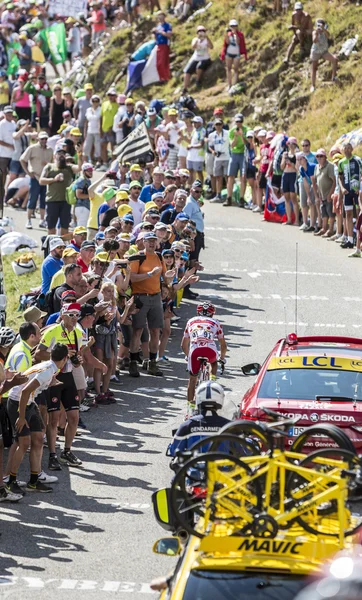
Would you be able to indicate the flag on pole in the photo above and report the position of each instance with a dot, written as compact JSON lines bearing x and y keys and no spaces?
{"x":13,"y":59}
{"x":54,"y":41}
{"x":135,"y":145}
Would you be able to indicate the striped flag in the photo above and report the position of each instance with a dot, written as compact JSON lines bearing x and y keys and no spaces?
{"x":135,"y":145}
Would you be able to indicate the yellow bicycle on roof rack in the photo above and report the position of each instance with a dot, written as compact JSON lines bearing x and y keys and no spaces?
{"x":234,"y":490}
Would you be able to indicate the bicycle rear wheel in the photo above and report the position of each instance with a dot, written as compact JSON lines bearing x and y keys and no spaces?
{"x":191,"y":499}
{"x":323,"y":519}
{"x":331,"y":432}
{"x":231,"y":445}
{"x":250,"y":429}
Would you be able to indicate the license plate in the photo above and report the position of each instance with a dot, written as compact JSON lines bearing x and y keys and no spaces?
{"x":295,"y":431}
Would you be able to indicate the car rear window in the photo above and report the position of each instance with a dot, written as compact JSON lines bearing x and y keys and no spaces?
{"x":306,"y":384}
{"x":231,"y":585}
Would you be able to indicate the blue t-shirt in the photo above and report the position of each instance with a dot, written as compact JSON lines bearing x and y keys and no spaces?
{"x":50,"y":266}
{"x":312,"y":162}
{"x":307,"y":173}
{"x":162,"y":39}
{"x":148,"y":190}
{"x":83,"y":184}
{"x":52,"y":318}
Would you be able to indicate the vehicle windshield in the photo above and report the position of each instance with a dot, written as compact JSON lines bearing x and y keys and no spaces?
{"x":228,"y":585}
{"x":306,"y":384}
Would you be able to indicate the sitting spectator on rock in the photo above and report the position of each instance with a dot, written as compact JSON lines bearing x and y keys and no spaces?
{"x":200,"y":60}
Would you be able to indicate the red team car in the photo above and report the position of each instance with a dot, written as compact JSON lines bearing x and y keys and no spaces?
{"x":318,"y":379}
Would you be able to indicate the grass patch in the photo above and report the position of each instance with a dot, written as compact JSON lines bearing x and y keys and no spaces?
{"x":16,"y":285}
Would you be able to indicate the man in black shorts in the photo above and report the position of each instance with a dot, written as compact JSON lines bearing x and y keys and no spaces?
{"x":68,"y":333}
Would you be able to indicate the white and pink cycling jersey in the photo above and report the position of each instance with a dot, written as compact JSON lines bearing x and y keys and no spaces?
{"x":203,"y":331}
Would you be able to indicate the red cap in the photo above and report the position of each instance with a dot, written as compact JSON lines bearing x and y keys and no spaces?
{"x":218,"y":111}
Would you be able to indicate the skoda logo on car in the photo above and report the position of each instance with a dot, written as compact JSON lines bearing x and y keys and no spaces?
{"x":314,"y":417}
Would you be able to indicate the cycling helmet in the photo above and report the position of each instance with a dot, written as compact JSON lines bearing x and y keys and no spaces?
{"x":342,"y":581}
{"x":206,"y":309}
{"x":7,"y":337}
{"x":209,"y":394}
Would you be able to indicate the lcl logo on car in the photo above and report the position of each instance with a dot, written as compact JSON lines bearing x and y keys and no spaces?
{"x":314,"y":417}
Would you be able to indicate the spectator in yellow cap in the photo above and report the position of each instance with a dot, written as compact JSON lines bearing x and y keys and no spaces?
{"x":81,"y":106}
{"x":74,"y":40}
{"x":136,"y":174}
{"x":79,"y":235}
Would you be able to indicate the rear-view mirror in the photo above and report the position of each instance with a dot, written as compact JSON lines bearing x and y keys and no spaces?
{"x":252,"y":369}
{"x":170,"y":546}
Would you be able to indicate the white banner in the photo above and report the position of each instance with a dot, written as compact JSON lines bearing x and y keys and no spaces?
{"x":67,"y":8}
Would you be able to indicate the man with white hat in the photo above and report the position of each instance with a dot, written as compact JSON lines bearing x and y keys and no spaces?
{"x":302,"y":27}
{"x":53,"y":263}
{"x":196,"y":150}
{"x":33,"y":161}
{"x":7,"y":128}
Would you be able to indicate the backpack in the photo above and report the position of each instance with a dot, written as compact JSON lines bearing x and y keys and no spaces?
{"x":187,"y":102}
{"x":70,"y":196}
{"x":49,"y":301}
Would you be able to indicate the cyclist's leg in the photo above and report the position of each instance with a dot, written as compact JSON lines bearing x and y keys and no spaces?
{"x":191,"y":388}
{"x":213,"y":370}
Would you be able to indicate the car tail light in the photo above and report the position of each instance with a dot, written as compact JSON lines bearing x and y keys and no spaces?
{"x":248,"y":416}
{"x":292,"y":339}
{"x":199,"y":492}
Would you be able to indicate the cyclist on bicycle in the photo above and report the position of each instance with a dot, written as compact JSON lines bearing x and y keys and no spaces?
{"x":209,"y":399}
{"x":199,"y":340}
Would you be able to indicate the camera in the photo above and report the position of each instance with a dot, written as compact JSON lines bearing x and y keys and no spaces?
{"x":218,"y":154}
{"x":75,"y":360}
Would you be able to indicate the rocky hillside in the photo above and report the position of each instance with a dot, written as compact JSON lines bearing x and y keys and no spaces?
{"x":274,"y":95}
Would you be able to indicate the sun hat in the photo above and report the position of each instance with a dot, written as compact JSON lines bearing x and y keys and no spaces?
{"x":80,"y":230}
{"x":150,"y":236}
{"x":88,"y":86}
{"x":109,"y":193}
{"x":291,"y":140}
{"x":56,"y":242}
{"x":122,"y":195}
{"x":134,"y":168}
{"x":233,"y":23}
{"x":33,"y":314}
{"x":88,"y":244}
{"x":123,"y":210}
{"x":134,"y":183}
{"x":321,"y":152}
{"x":76,"y":131}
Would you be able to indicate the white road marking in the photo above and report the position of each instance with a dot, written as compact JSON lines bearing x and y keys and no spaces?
{"x":301,"y":324}
{"x":75,"y":584}
{"x":284,"y":272}
{"x":245,"y":229}
{"x":80,"y":585}
{"x":243,"y":296}
{"x":254,"y":275}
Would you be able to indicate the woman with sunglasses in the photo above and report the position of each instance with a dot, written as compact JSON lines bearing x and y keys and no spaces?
{"x":200,"y":60}
{"x":57,"y":107}
{"x":68,"y":100}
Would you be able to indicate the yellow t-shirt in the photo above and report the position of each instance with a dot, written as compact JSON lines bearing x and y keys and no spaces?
{"x":95,"y":203}
{"x":57,"y":279}
{"x":4,"y":92}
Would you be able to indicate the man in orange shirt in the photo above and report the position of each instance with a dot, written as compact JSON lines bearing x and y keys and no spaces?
{"x":146,"y":288}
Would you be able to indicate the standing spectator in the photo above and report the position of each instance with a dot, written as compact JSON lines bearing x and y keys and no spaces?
{"x":154,"y":187}
{"x":135,"y":203}
{"x":169,"y":215}
{"x":57,"y":177}
{"x":146,"y":289}
{"x":33,"y":161}
{"x":57,"y":107}
{"x":82,"y":105}
{"x":194,"y":213}
{"x":4,"y":90}
{"x":324,"y":184}
{"x":68,"y":100}
{"x":237,"y":159}
{"x":52,"y":264}
{"x":163,"y":34}
{"x":172,"y":129}
{"x":98,"y":23}
{"x":7,"y":128}
{"x":81,"y":186}
{"x":320,"y":51}
{"x":185,"y":138}
{"x":219,"y":146}
{"x":42,"y":101}
{"x":74,"y":39}
{"x":306,"y":192}
{"x":117,"y":128}
{"x":92,"y":130}
{"x":250,"y":155}
{"x":127,"y":120}
{"x":21,"y":100}
{"x":108,"y":112}
{"x":233,"y":48}
{"x":24,"y":53}
{"x":289,"y":179}
{"x":302,"y":27}
{"x":21,"y":142}
{"x":86,"y":255}
{"x":196,"y":150}
{"x":200,"y":60}
{"x":350,"y":171}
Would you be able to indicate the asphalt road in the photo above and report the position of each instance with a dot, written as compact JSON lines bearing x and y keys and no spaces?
{"x":92,"y":537}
